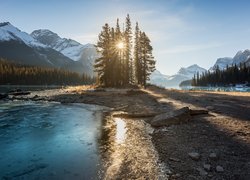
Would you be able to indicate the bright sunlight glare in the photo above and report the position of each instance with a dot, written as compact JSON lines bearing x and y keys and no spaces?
{"x":120,"y":45}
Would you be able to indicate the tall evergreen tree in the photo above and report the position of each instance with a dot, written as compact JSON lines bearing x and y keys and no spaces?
{"x":116,"y":67}
{"x":102,"y":63}
{"x":137,"y":64}
{"x":128,"y":48}
{"x":147,"y":59}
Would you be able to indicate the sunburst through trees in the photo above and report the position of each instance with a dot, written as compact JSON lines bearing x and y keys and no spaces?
{"x":117,"y":66}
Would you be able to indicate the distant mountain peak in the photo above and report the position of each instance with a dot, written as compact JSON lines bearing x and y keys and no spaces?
{"x":240,"y":57}
{"x":190,"y":70}
{"x":4,"y":24}
{"x":68,"y":47}
{"x":9,"y":32}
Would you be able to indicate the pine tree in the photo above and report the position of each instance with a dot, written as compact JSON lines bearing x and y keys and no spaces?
{"x":137,"y":64}
{"x":128,"y":46}
{"x":116,"y":67}
{"x":147,"y":59}
{"x":102,"y":63}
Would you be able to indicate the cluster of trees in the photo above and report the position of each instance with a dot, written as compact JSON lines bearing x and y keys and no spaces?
{"x":231,"y":75}
{"x":124,"y":59}
{"x":16,"y":74}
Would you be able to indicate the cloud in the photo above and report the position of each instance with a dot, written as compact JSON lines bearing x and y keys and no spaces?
{"x":189,"y":48}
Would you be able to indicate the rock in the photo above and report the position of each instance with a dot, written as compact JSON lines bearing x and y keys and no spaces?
{"x":202,"y":172}
{"x":36,"y":96}
{"x":174,"y":159}
{"x":207,"y":167}
{"x":194,"y":155}
{"x":194,"y":112}
{"x":213,"y":156}
{"x":219,"y":169}
{"x":170,"y":118}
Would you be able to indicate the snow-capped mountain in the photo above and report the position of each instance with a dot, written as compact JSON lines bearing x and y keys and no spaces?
{"x":222,"y":63}
{"x":174,"y":80}
{"x":45,"y":48}
{"x":158,"y":78}
{"x":240,"y":57}
{"x":22,"y":48}
{"x":191,"y":70}
{"x":85,"y":54}
{"x":8,"y":32}
{"x":67,"y":47}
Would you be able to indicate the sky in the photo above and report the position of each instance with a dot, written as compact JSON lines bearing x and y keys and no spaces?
{"x":182,"y":32}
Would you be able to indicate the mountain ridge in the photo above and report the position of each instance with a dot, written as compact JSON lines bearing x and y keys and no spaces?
{"x":30,"y":50}
{"x":174,"y":80}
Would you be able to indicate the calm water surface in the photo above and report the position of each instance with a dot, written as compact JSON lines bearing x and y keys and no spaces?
{"x":49,"y":141}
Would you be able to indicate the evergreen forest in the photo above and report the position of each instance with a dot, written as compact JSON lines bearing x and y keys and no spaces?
{"x":125,"y":57}
{"x":229,"y":76}
{"x":16,"y":74}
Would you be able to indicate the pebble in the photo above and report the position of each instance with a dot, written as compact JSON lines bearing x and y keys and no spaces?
{"x":194,"y":155}
{"x":207,"y":167}
{"x":213,"y":156}
{"x":174,"y":159}
{"x":202,"y":172}
{"x":219,"y":169}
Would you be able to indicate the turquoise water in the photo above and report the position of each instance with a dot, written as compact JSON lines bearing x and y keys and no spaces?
{"x":226,"y":89}
{"x":49,"y":141}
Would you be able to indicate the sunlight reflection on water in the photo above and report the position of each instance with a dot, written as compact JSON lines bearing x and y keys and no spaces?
{"x":120,"y":130}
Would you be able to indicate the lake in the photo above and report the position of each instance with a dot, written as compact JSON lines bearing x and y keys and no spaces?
{"x":6,"y":88}
{"x":49,"y":140}
{"x":226,"y":89}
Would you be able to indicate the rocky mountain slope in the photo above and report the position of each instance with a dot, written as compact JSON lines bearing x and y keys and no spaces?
{"x":240,"y":57}
{"x":46,"y":49}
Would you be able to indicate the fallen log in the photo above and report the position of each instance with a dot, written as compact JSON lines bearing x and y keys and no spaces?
{"x":170,"y":118}
{"x":133,"y":115}
{"x":195,"y":112}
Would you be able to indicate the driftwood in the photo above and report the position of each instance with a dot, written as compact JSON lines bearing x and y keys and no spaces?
{"x":133,"y":115}
{"x":170,"y":118}
{"x":195,"y":112}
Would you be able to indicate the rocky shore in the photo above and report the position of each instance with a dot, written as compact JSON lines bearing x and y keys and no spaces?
{"x":203,"y":135}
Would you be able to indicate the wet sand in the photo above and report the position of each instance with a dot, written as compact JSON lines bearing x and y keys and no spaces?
{"x":224,"y":132}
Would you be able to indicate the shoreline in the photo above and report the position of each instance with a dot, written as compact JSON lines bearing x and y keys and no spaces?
{"x":224,"y":131}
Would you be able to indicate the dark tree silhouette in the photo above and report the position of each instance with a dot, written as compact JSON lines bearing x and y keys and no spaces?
{"x":116,"y":67}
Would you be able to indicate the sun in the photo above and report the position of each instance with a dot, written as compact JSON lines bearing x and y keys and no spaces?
{"x":120,"y":45}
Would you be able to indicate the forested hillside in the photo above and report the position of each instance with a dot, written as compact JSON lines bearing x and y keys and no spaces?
{"x":16,"y":74}
{"x":231,"y":75}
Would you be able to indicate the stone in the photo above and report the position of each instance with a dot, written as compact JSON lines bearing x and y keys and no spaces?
{"x":219,"y":169}
{"x":194,"y":155}
{"x":202,"y":172}
{"x":174,"y":159}
{"x":213,"y":156}
{"x":207,"y":167}
{"x":170,"y":118}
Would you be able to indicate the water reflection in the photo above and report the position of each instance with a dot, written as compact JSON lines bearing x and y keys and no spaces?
{"x":120,"y":130}
{"x":127,"y":151}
